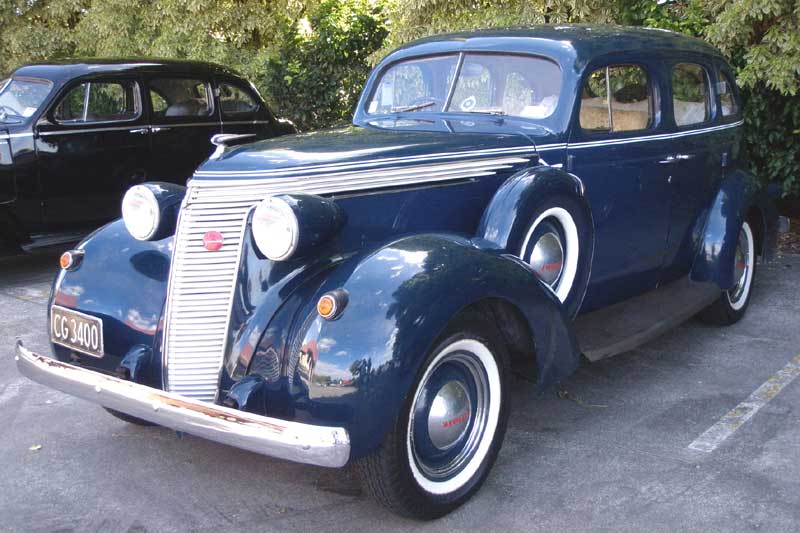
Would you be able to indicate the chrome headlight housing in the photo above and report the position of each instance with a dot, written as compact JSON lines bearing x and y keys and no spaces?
{"x":150,"y":210}
{"x":276,"y":229}
{"x":290,"y":225}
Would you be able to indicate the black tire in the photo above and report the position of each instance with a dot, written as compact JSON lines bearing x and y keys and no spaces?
{"x":731,"y":306}
{"x":389,"y":475}
{"x":564,"y":217}
{"x":128,"y":418}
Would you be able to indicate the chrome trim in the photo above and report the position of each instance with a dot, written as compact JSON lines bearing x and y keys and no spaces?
{"x":655,"y":137}
{"x":6,"y":136}
{"x":202,"y":284}
{"x":244,"y":122}
{"x":293,"y":441}
{"x":85,"y":130}
{"x":165,"y":127}
{"x":332,"y":167}
{"x":221,"y":138}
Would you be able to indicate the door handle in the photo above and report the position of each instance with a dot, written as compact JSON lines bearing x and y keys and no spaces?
{"x":140,"y":131}
{"x":156,"y":129}
{"x":671,"y":159}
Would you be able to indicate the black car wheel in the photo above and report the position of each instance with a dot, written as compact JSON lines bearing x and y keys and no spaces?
{"x":447,"y":437}
{"x":731,"y":306}
{"x":128,"y":418}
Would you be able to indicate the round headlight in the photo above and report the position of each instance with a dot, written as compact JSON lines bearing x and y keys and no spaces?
{"x":275,"y":229}
{"x":141,"y":212}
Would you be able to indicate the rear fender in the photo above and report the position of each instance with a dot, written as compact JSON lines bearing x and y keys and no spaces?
{"x":738,"y":195}
{"x":358,"y":368}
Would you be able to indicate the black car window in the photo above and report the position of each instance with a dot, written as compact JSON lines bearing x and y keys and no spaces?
{"x":691,"y":99}
{"x":234,"y":101}
{"x":730,"y":106}
{"x":180,"y":97}
{"x":99,"y":102}
{"x":616,"y":98}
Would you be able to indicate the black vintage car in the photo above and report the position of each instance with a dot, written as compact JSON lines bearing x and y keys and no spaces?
{"x":74,"y":136}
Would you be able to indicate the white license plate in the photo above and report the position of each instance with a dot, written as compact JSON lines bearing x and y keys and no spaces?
{"x":77,"y":331}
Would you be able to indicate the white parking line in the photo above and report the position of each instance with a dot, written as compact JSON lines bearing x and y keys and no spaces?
{"x":733,"y":420}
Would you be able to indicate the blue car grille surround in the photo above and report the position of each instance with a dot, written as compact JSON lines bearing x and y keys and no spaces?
{"x":202,"y":283}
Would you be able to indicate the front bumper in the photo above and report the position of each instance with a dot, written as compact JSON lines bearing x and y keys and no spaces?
{"x":303,"y":443}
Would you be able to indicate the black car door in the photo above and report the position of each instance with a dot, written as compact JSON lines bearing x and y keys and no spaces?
{"x":91,"y":146}
{"x":242,"y":109}
{"x":183,"y":120}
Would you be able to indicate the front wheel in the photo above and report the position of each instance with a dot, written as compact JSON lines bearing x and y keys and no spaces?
{"x":447,"y":437}
{"x":731,"y":306}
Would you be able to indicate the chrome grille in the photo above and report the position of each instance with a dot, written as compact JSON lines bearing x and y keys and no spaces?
{"x":201,"y":285}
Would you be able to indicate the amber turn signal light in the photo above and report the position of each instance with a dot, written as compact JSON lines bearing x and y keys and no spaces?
{"x":70,"y":259}
{"x":331,"y":304}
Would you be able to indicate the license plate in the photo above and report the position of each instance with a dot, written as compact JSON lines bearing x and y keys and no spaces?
{"x":75,"y":330}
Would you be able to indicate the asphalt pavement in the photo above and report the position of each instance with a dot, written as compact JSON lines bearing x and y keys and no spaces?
{"x":608,"y":450}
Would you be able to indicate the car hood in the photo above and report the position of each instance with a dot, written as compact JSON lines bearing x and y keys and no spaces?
{"x":352,"y":145}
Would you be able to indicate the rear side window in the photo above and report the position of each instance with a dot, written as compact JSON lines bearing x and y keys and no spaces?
{"x":180,"y":97}
{"x":727,"y":97}
{"x":616,"y":98}
{"x":691,"y":99}
{"x":99,"y":102}
{"x":235,"y":101}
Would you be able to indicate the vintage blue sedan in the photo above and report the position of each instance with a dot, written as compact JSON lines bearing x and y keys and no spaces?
{"x":504,"y":200}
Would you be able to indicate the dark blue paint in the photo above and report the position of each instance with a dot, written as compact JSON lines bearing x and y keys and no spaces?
{"x":411,"y":258}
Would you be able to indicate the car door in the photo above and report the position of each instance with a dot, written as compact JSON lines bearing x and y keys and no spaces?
{"x":693,"y":162}
{"x":614,"y":149}
{"x":183,"y":120}
{"x":91,"y":146}
{"x":242,"y":110}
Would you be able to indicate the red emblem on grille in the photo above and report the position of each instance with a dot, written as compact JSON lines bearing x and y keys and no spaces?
{"x":212,"y":241}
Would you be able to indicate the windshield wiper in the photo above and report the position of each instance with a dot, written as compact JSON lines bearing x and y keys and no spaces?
{"x":493,"y":112}
{"x":414,"y":107}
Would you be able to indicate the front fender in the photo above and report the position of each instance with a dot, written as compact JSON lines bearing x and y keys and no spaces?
{"x":360,"y":367}
{"x":739,"y":193}
{"x":123,"y":281}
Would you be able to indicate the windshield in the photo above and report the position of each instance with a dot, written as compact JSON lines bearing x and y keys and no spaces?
{"x":516,"y":85}
{"x":20,"y":98}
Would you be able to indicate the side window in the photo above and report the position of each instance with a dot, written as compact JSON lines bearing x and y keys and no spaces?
{"x":725,"y":88}
{"x":180,"y":97}
{"x":691,"y":99}
{"x":616,"y":98}
{"x":99,"y":102}
{"x":234,"y":101}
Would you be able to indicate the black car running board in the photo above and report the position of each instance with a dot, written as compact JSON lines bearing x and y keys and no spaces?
{"x":624,"y":326}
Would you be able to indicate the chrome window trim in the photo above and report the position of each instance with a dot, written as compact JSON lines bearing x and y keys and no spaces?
{"x":137,"y":102}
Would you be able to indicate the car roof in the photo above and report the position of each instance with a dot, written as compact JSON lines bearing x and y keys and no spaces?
{"x":71,"y":68}
{"x":582,"y":42}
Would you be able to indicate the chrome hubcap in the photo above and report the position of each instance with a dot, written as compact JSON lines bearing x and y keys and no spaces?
{"x":547,"y":258}
{"x":741,"y":267}
{"x":449,"y":416}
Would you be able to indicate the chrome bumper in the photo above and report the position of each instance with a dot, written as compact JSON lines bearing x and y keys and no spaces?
{"x":304,"y":443}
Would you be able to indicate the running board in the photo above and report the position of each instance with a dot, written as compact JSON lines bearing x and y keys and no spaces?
{"x":624,"y":326}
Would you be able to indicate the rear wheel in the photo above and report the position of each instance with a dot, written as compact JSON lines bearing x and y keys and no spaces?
{"x":731,"y":306}
{"x":447,"y":437}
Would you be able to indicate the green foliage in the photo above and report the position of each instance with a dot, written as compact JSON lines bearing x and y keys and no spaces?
{"x":319,"y":69}
{"x":412,"y":19}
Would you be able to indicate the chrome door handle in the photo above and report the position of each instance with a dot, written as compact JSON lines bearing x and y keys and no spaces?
{"x":156,"y":129}
{"x":684,"y":157}
{"x":670,"y":159}
{"x":140,"y":131}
